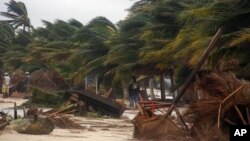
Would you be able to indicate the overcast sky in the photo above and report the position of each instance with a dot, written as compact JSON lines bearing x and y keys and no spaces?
{"x":82,"y":10}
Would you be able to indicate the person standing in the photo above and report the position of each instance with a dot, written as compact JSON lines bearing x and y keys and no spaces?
{"x":6,"y":85}
{"x":134,"y":91}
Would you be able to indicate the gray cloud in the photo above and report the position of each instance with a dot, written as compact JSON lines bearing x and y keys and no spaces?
{"x":82,"y":10}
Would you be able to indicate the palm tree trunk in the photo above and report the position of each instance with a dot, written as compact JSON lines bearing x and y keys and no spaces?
{"x":163,"y":94}
{"x":151,"y":87}
{"x":125,"y":89}
{"x":86,"y":83}
{"x":96,"y":85}
{"x":171,"y":75}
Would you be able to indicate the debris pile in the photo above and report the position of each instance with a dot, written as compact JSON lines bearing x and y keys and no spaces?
{"x":40,"y":126}
{"x":85,"y":101}
{"x":225,"y":101}
{"x":78,"y":103}
{"x":151,"y":118}
{"x":48,"y":80}
{"x":37,"y":123}
{"x":3,"y":120}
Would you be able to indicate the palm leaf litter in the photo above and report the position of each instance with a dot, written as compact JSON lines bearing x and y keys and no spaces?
{"x":225,"y":101}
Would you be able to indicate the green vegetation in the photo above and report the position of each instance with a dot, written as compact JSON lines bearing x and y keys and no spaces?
{"x":44,"y":98}
{"x":158,"y":37}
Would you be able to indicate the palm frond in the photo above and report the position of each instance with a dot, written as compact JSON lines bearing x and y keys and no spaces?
{"x":242,"y":38}
{"x":8,"y":15}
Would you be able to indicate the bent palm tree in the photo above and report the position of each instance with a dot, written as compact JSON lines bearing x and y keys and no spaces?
{"x":17,"y":15}
{"x":6,"y":35}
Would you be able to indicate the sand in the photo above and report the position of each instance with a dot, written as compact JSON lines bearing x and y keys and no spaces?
{"x":103,"y":129}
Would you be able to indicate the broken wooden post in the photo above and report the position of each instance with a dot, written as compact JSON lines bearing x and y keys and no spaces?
{"x":15,"y":111}
{"x":204,"y":57}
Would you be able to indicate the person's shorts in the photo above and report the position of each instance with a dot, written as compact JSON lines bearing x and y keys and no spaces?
{"x":5,"y":89}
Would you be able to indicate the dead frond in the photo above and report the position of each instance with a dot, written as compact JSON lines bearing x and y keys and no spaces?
{"x":225,"y":101}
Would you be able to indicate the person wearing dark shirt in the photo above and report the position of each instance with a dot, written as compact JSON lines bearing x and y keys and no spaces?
{"x":134,"y":91}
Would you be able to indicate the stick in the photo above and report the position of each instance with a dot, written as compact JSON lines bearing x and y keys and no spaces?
{"x":240,"y":115}
{"x":204,"y":57}
{"x":219,"y":115}
{"x":152,"y":102}
{"x":233,"y":93}
{"x":160,"y":105}
{"x":139,"y":108}
{"x":248,"y":116}
{"x":230,"y":122}
{"x":63,"y":109}
{"x":152,"y":108}
{"x":224,"y":100}
{"x":181,"y":118}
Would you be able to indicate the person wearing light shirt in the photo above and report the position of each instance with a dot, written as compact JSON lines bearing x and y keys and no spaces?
{"x":6,"y":85}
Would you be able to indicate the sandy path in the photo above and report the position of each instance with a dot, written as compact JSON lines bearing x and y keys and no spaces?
{"x":9,"y":102}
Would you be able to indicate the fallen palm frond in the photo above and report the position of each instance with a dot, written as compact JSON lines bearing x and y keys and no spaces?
{"x":225,"y":101}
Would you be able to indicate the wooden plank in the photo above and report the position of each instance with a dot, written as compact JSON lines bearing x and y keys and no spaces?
{"x":101,"y":104}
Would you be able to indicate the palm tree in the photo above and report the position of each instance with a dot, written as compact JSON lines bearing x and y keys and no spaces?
{"x":17,"y":15}
{"x":53,"y":45}
{"x":71,"y":48}
{"x":93,"y":39}
{"x":7,"y":35}
{"x":207,"y":17}
{"x":148,"y":28}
